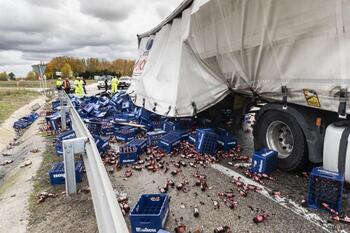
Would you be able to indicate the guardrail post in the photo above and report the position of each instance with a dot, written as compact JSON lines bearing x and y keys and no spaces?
{"x":70,"y":148}
{"x":61,"y":96}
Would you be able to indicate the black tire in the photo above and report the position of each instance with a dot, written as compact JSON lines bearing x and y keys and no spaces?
{"x":298,"y":157}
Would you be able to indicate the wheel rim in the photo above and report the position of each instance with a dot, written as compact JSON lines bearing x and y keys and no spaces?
{"x":279,"y":137}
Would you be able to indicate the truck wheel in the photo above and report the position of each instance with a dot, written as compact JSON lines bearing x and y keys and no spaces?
{"x":279,"y":131}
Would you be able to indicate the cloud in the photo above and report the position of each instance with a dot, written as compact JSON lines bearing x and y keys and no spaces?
{"x":107,"y":9}
{"x":35,"y":30}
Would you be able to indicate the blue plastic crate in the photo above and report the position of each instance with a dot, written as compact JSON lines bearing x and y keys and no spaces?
{"x":183,"y":123}
{"x":147,"y":125}
{"x":69,"y":134}
{"x":227,"y":143}
{"x":150,"y":213}
{"x":125,"y":134}
{"x":55,"y":104}
{"x":264,"y":161}
{"x":222,"y":132}
{"x":57,"y":175}
{"x":20,"y":124}
{"x":325,"y":187}
{"x":59,"y":148}
{"x":94,"y":127}
{"x":157,"y":124}
{"x":163,"y":231}
{"x":88,"y":108}
{"x":192,"y":138}
{"x":169,"y":142}
{"x":143,"y":113}
{"x":154,"y":137}
{"x":205,"y":122}
{"x":24,"y":122}
{"x":107,"y":129}
{"x":128,"y":154}
{"x":168,"y":126}
{"x":140,"y":144}
{"x":183,"y":134}
{"x":177,"y":124}
{"x":206,"y":141}
{"x":101,"y":144}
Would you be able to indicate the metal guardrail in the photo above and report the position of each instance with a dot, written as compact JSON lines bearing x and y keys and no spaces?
{"x":107,"y":210}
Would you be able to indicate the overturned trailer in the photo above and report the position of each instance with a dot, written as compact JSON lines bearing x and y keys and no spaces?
{"x":291,"y":55}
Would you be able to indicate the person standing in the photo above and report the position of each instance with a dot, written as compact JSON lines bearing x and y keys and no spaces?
{"x":66,"y":85}
{"x":84,"y":84}
{"x":106,"y":85}
{"x":59,"y":84}
{"x":114,"y":83}
{"x":79,"y":87}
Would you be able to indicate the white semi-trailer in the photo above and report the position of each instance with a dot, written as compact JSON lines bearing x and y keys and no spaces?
{"x":291,"y":55}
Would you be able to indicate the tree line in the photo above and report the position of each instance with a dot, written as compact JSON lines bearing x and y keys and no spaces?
{"x":88,"y":67}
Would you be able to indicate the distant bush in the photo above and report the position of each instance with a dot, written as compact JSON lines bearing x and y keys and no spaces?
{"x":31,"y":76}
{"x":3,"y":76}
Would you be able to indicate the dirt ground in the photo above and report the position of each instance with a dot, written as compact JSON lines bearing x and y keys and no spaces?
{"x":16,"y":182}
{"x":60,"y":214}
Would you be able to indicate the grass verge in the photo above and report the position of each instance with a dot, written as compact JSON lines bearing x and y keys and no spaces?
{"x":11,"y":100}
{"x":32,"y":84}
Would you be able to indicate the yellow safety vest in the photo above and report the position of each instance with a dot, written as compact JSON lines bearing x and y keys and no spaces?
{"x":58,"y":83}
{"x":114,"y":82}
{"x":79,"y":87}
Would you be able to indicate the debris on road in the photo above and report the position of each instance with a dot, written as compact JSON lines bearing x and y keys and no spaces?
{"x":36,"y":150}
{"x":44,"y":195}
{"x":6,"y":154}
{"x":260,"y":218}
{"x":180,"y":229}
{"x":6,"y":162}
{"x":26,"y":163}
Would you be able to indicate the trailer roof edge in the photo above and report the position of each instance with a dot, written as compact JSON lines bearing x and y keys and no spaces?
{"x":185,"y":4}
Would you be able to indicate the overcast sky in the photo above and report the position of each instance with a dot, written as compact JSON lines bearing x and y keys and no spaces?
{"x":37,"y":30}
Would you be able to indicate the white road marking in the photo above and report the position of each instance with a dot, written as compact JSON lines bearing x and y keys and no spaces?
{"x":286,"y":203}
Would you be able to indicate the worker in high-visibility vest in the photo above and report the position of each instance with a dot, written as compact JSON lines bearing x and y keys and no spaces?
{"x":59,"y":84}
{"x":79,"y":90}
{"x":114,"y":84}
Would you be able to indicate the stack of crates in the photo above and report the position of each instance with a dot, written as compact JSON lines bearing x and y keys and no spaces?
{"x":57,"y":175}
{"x":264,"y":161}
{"x":150,"y":213}
{"x":125,"y":133}
{"x":61,"y":137}
{"x":154,"y":137}
{"x":206,"y":141}
{"x":169,"y":142}
{"x":325,"y":187}
{"x":140,"y":144}
{"x":128,"y":154}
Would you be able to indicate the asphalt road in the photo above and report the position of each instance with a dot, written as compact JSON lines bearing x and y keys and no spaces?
{"x":285,"y":213}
